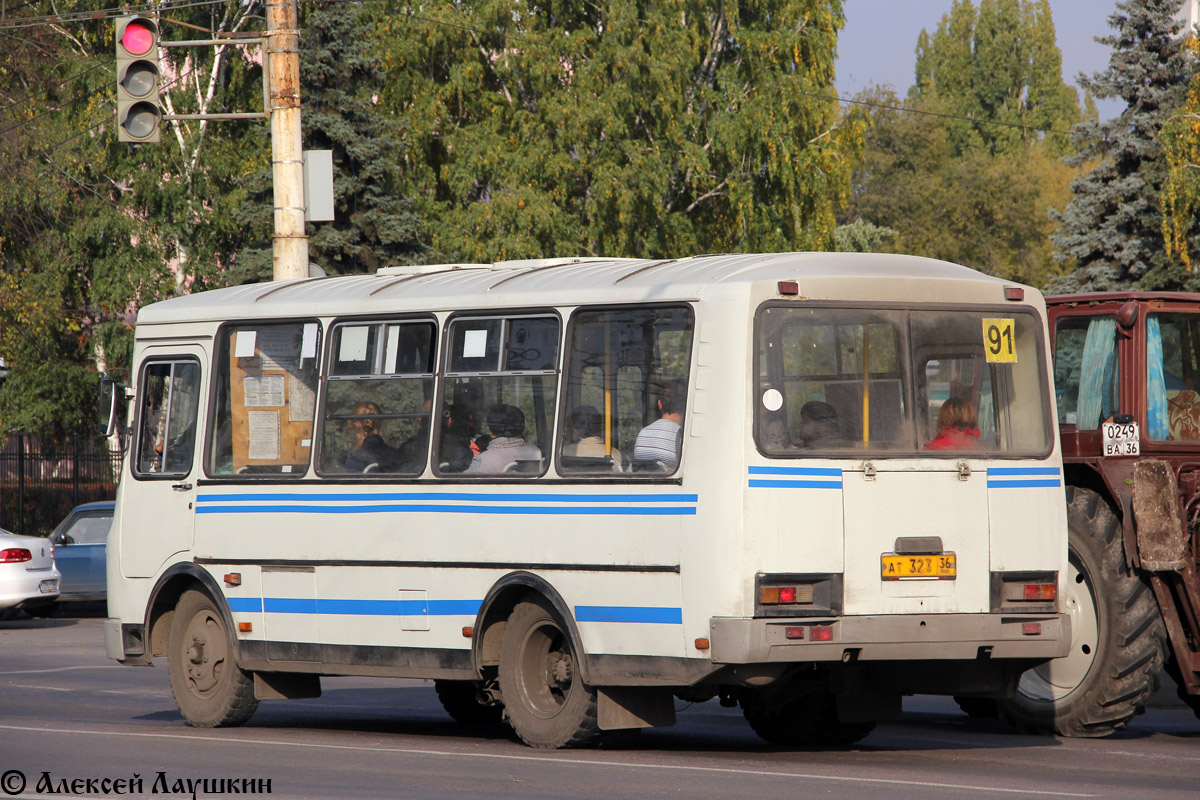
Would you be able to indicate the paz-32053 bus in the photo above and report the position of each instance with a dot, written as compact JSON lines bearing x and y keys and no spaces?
{"x":568,"y":491}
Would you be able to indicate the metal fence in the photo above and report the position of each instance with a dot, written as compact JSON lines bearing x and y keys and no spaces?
{"x":41,"y":483}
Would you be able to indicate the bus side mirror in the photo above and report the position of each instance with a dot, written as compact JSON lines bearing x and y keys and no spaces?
{"x":109,"y":408}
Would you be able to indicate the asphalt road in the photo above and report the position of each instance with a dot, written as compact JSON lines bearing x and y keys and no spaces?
{"x":68,"y":715}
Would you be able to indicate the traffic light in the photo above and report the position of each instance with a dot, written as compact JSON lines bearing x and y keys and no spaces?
{"x":138,"y":79}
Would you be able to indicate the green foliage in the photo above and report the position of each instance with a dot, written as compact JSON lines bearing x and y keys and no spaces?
{"x":1181,"y":188}
{"x":861,"y":236}
{"x":1111,"y":233}
{"x":635,"y":129}
{"x":91,"y":229}
{"x":999,"y":63}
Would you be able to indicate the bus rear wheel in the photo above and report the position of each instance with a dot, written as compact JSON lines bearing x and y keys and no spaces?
{"x":810,"y":720}
{"x":1118,"y":639}
{"x":547,"y":702}
{"x":212,"y":691}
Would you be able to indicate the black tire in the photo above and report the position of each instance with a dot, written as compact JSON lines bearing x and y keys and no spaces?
{"x":547,"y":702}
{"x":459,"y":700}
{"x":1118,"y":640}
{"x":807,"y":721}
{"x":977,"y":707}
{"x":212,"y":691}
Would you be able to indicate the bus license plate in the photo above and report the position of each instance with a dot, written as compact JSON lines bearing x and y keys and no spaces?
{"x":938,"y":567}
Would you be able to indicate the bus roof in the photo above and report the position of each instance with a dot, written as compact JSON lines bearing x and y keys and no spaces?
{"x":571,"y":281}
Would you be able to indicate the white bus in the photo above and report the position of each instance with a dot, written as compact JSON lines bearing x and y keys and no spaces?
{"x":569,"y":491}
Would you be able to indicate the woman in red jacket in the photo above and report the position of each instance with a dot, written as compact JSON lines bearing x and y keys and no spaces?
{"x":958,"y":426}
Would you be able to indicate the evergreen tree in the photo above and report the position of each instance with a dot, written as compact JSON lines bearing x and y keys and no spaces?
{"x":1111,"y":231}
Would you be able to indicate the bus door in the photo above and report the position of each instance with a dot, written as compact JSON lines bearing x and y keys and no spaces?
{"x":161,"y":484}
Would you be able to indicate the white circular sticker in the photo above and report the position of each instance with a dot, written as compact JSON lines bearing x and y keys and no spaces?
{"x":772,"y":400}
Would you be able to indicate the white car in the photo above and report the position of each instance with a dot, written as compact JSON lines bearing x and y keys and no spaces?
{"x":28,"y":576}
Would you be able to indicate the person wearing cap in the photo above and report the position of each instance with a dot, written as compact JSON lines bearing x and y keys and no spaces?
{"x":507,"y":425}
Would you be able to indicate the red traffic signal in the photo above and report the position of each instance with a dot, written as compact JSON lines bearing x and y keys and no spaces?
{"x":138,"y":79}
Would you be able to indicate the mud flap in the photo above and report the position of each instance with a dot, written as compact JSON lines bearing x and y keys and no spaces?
{"x":1162,"y":543}
{"x":635,"y":707}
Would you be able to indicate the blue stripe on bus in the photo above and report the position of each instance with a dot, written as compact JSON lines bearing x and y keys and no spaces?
{"x":465,"y":496}
{"x":796,"y":484}
{"x":446,"y":509}
{"x":1023,"y":471}
{"x":390,"y":608}
{"x":653,"y":614}
{"x":440,"y":608}
{"x":1048,"y":484}
{"x":827,"y":471}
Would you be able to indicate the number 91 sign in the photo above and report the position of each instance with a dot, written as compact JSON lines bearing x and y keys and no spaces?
{"x":999,"y":343}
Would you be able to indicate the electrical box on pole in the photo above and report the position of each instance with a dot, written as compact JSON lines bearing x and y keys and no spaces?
{"x":139,"y":115}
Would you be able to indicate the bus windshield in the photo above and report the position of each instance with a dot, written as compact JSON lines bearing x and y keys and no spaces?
{"x":900,"y":381}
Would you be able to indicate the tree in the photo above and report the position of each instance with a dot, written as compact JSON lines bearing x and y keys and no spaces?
{"x":90,"y":229}
{"x":1000,"y":66}
{"x":1111,"y":231}
{"x":341,"y":79}
{"x":1181,"y":188}
{"x":652,"y":129}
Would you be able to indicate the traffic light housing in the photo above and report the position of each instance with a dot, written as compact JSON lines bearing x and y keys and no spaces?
{"x":139,"y":115}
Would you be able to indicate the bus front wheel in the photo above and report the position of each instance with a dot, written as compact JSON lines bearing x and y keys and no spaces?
{"x":547,"y":702}
{"x":212,"y":691}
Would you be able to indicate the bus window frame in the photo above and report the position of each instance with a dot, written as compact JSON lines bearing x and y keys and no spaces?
{"x":136,"y":443}
{"x":560,"y":431}
{"x":326,"y":376}
{"x":444,"y":375}
{"x":210,"y":426}
{"x":1040,"y":323}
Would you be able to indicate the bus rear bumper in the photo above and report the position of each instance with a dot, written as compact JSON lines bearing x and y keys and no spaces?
{"x":890,"y":638}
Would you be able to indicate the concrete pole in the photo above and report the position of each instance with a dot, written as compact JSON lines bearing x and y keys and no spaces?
{"x":290,"y":252}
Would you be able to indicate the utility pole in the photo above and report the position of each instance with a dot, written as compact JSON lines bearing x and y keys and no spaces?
{"x":290,"y":251}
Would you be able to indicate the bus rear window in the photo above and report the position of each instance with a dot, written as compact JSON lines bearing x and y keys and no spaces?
{"x":896,"y":381}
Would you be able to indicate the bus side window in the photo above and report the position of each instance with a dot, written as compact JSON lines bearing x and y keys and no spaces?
{"x":265,"y":399}
{"x":378,"y":395}
{"x":623,"y":365}
{"x":498,"y":400}
{"x":170,"y":392}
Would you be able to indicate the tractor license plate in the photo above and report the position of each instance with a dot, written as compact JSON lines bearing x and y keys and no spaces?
{"x":938,"y":567}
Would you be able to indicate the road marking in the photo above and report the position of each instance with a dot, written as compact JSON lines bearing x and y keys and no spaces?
{"x":974,"y":789}
{"x":61,"y":669}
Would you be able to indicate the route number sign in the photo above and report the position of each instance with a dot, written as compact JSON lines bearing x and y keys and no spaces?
{"x":999,"y":340}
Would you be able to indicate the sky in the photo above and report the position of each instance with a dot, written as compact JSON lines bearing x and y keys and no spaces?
{"x":878,"y":45}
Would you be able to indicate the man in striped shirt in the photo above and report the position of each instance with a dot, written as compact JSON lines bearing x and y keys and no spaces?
{"x":660,"y":440}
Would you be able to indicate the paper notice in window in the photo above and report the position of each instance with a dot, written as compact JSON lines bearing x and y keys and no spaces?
{"x":264,"y":435}
{"x":353,"y":345}
{"x":263,"y":390}
{"x":243,"y":344}
{"x":308,"y":347}
{"x":474,"y":344}
{"x":301,"y":400}
{"x":280,"y":347}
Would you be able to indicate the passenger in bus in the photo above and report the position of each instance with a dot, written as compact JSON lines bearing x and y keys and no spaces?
{"x":587,"y":436}
{"x":508,"y":446}
{"x":369,"y":446}
{"x":458,"y":431}
{"x":661,"y":440}
{"x":819,"y":426}
{"x":958,"y":426}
